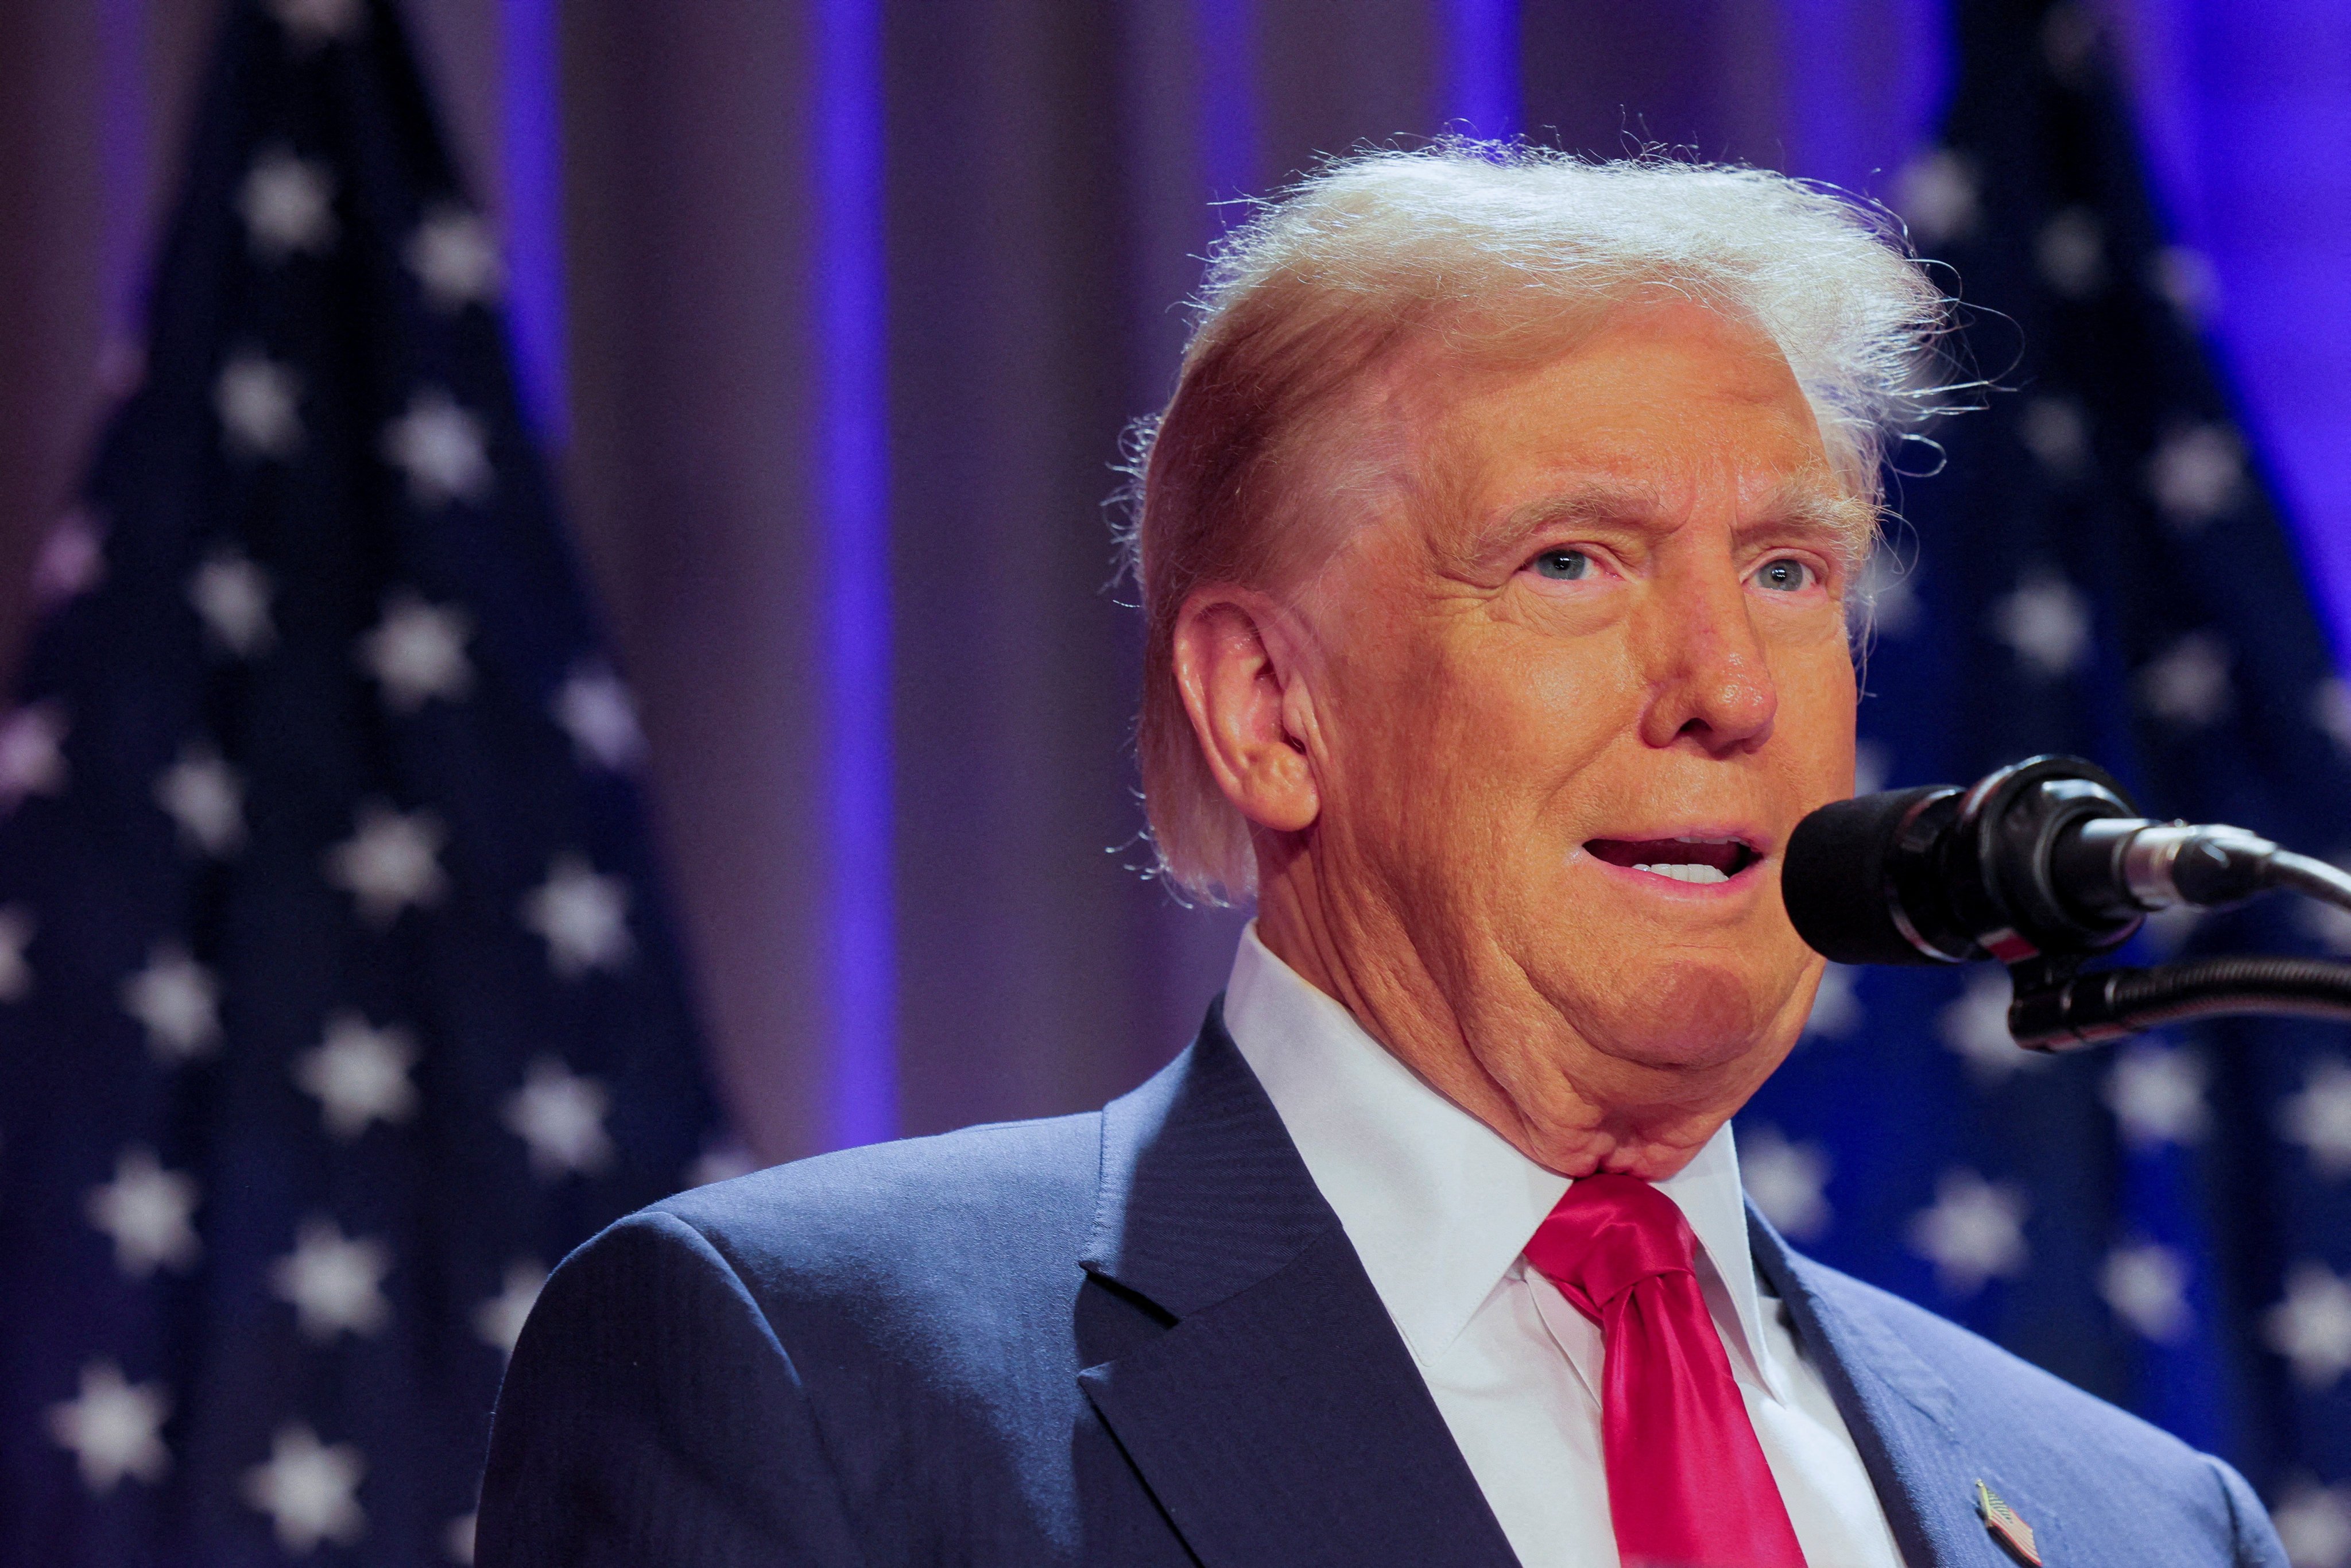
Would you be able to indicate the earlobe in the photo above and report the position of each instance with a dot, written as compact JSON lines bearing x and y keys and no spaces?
{"x":1249,"y":704}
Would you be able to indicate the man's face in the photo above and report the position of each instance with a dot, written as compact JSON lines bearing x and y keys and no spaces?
{"x":1571,"y":703}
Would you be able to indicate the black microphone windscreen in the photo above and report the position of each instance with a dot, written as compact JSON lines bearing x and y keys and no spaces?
{"x":1833,"y":879}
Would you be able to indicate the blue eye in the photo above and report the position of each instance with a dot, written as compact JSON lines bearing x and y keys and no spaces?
{"x":1564,"y":565}
{"x":1785,"y":575}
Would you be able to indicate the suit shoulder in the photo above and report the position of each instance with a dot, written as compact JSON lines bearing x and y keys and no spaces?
{"x":985,"y":1194}
{"x":1984,"y":1375}
{"x":2062,"y":1453}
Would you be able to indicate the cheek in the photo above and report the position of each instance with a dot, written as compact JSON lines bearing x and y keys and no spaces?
{"x":1507,"y":727}
{"x":1537,"y":710}
{"x":1462,"y":739}
{"x":1814,"y":731}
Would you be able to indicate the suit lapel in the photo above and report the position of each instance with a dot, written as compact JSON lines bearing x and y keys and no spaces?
{"x":1280,"y":1418}
{"x":1899,"y":1409}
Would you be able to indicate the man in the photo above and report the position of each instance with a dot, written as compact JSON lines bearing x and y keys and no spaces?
{"x":1496,"y":551}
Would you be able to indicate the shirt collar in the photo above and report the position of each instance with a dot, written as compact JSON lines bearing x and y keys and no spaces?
{"x":1437,"y":1204}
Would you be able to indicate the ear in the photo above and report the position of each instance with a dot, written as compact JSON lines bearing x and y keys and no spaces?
{"x":1251,"y":709}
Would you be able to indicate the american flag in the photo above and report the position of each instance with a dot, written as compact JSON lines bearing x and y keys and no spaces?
{"x":2097,"y":569}
{"x":336,"y":1000}
{"x":2002,"y":1521}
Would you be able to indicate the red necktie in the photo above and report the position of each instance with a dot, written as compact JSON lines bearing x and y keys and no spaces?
{"x":1688,"y":1484}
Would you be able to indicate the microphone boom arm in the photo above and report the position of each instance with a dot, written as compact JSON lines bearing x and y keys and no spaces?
{"x":2056,"y":1010}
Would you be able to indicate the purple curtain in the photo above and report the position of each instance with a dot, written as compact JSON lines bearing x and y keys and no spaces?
{"x":835,"y":313}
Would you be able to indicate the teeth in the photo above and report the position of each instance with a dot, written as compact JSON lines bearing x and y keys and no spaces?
{"x":1686,"y":873}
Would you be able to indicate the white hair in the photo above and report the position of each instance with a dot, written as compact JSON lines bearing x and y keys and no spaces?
{"x":1484,"y":249}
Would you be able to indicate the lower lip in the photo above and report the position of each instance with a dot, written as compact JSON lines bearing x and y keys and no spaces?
{"x":1745,"y":881}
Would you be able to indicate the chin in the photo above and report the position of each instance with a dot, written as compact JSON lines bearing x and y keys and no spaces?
{"x":1689,"y":1017}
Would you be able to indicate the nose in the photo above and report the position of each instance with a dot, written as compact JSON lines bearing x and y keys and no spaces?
{"x":1708,"y":677}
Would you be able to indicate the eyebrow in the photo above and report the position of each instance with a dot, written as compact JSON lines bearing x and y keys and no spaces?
{"x":1803,"y":504}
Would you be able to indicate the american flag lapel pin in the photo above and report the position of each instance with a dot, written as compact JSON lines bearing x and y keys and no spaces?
{"x":2010,"y":1531}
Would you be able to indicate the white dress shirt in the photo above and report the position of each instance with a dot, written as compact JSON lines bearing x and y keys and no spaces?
{"x":1438,"y":1207}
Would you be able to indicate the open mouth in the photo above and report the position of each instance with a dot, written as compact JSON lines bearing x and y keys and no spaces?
{"x":1691,"y":859}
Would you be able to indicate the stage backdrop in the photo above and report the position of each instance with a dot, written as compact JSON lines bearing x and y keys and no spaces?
{"x":833,"y":315}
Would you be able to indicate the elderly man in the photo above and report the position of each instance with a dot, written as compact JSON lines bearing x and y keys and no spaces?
{"x":1497,"y":549}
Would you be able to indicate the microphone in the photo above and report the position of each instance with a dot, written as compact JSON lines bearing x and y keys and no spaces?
{"x":2044,"y":859}
{"x":2041,"y":865}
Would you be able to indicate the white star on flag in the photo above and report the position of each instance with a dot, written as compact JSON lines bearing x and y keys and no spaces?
{"x":1873,"y":765}
{"x":309,"y":1491}
{"x":287,"y":203}
{"x":2057,"y":433}
{"x":146,"y":1210}
{"x":178,"y":1001}
{"x":72,"y":559}
{"x":2311,"y":1327}
{"x":113,"y":1429}
{"x":358,"y":1074}
{"x":2314,"y":1525}
{"x":334,"y":1282}
{"x":458,"y":1540}
{"x":594,"y":708}
{"x":2187,"y":684}
{"x":562,"y":1116}
{"x":2146,"y":1286}
{"x":2196,"y":475}
{"x":17,"y":929}
{"x":233,"y":596}
{"x":2319,"y":1118}
{"x":204,"y":795}
{"x":417,"y":652}
{"x":32,"y":753}
{"x":440,"y":448}
{"x":390,"y":862}
{"x":2071,"y":253}
{"x":259,"y":404}
{"x":1976,"y":1026}
{"x":314,"y":22}
{"x":2186,"y":279}
{"x":2047,"y":622}
{"x":1884,"y":598}
{"x":1786,"y":1180}
{"x":1836,"y":1011}
{"x":2330,"y":710}
{"x":1936,"y":192}
{"x":2157,"y":1096}
{"x":452,"y":255}
{"x":2168,"y":930}
{"x":583,"y":916}
{"x":2330,"y":923}
{"x":499,"y":1320}
{"x":1974,"y":1232}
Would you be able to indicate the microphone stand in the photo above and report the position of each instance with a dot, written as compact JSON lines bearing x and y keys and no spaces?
{"x":2058,"y":1009}
{"x":2055,"y":1011}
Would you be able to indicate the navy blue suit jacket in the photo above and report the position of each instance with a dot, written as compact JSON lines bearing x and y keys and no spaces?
{"x":1141,"y":1336}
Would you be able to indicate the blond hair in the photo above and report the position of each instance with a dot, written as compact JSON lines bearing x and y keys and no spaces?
{"x":1260,"y":452}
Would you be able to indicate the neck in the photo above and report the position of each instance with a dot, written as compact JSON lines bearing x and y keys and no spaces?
{"x":1361,"y":952}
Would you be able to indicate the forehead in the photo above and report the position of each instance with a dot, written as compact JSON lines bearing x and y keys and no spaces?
{"x":1655,"y":408}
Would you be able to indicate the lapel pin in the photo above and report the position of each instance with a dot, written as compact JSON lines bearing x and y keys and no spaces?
{"x":2002,"y":1521}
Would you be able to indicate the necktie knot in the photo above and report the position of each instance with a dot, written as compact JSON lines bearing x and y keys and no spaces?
{"x":1608,"y":1235}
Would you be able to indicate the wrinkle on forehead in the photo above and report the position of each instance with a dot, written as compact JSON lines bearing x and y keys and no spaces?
{"x":1384,"y":452}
